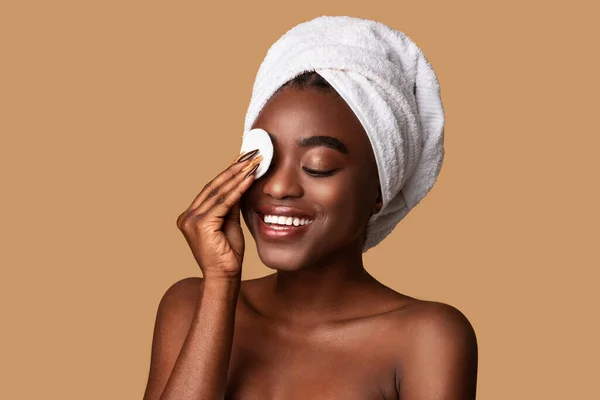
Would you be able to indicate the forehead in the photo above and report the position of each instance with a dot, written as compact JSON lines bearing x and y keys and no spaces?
{"x":292,"y":113}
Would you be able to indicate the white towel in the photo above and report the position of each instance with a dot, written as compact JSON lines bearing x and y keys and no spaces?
{"x":391,"y":87}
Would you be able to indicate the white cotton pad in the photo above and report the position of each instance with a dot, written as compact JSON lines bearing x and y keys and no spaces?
{"x":259,"y":139}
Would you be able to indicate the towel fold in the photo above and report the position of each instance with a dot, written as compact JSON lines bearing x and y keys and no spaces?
{"x":389,"y":85}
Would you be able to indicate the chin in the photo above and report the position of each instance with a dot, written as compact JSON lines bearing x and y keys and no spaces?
{"x":281,"y":259}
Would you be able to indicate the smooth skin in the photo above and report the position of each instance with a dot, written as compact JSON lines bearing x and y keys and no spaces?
{"x":321,"y":327}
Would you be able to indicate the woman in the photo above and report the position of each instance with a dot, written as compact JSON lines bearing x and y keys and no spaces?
{"x":321,"y":327}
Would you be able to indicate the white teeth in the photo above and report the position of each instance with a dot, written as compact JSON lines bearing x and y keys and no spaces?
{"x":288,"y":221}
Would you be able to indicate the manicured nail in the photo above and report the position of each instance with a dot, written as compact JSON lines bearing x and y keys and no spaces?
{"x":244,"y":156}
{"x":254,"y":162}
{"x":252,"y":171}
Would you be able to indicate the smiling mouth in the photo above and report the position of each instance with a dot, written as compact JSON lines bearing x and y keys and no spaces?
{"x":284,"y":221}
{"x":272,"y":229}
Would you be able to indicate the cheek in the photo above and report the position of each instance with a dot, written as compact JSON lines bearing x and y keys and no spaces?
{"x":341,"y":200}
{"x":327,"y":194}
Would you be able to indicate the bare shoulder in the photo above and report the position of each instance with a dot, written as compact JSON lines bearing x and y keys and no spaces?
{"x":435,"y":351}
{"x":425,"y":321}
{"x":179,"y":301}
{"x":182,"y":296}
{"x":173,"y":320}
{"x":182,"y":292}
{"x":433,"y":315}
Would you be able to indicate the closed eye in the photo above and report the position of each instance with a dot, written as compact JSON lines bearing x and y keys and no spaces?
{"x":314,"y":172}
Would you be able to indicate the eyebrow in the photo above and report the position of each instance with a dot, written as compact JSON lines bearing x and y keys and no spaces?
{"x":314,"y":141}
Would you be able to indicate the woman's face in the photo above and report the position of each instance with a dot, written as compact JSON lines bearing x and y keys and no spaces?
{"x":323,"y":169}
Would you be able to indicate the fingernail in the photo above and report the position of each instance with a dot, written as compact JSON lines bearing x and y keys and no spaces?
{"x":254,"y":162}
{"x":244,"y":156}
{"x":251,"y":171}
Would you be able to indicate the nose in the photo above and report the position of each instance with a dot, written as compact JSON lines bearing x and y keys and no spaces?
{"x":282,"y":180}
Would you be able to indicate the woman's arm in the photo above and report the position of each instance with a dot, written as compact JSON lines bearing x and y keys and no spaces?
{"x":196,"y":364}
{"x":192,"y":340}
{"x":441,"y":363}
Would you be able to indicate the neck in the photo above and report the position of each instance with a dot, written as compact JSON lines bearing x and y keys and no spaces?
{"x":321,"y":291}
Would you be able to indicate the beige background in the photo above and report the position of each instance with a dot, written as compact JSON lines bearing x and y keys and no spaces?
{"x":114,"y":114}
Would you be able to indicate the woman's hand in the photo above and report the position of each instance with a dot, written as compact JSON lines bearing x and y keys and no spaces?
{"x":211,"y":225}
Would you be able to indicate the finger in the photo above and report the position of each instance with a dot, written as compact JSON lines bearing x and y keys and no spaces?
{"x":225,"y":202}
{"x":211,"y":188}
{"x":234,"y":212}
{"x":221,"y":191}
{"x":232,"y":198}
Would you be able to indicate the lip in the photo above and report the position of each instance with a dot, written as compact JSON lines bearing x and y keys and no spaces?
{"x":287,"y":232}
{"x":267,"y":209}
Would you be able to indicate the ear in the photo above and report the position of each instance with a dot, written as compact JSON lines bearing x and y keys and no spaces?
{"x":378,"y":202}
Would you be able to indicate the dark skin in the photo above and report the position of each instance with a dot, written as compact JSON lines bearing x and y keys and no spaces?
{"x":321,"y":327}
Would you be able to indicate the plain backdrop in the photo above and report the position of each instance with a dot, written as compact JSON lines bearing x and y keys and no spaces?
{"x":114,"y":114}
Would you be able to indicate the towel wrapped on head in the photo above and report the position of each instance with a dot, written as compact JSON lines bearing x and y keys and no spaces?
{"x":390,"y":86}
